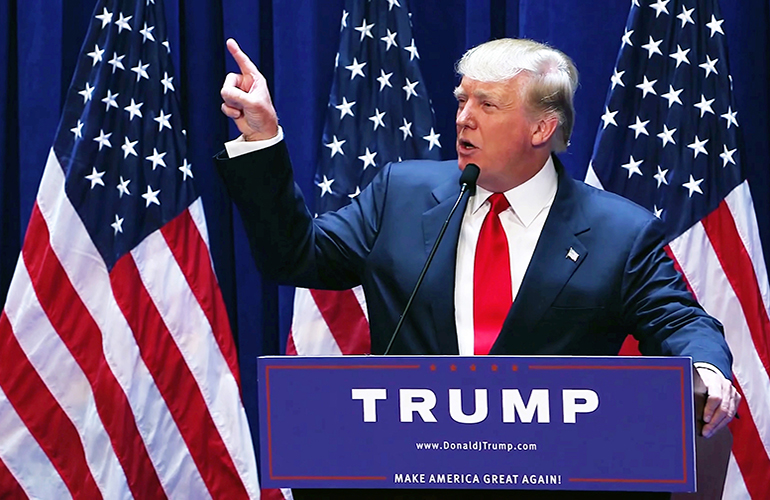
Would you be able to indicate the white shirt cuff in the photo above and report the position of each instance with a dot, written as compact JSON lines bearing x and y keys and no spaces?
{"x":708,"y":366}
{"x":241,"y":146}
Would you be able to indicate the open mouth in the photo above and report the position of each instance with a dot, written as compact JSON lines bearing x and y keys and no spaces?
{"x":466,"y":144}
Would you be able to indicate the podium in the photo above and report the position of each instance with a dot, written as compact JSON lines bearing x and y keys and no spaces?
{"x":478,"y":423}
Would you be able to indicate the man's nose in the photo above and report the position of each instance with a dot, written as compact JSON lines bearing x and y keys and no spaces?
{"x":465,"y":116}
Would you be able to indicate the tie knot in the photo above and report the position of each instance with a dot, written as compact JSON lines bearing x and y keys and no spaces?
{"x":499,"y":203}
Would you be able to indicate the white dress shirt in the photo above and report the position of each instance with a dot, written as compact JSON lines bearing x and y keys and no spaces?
{"x":522,"y":222}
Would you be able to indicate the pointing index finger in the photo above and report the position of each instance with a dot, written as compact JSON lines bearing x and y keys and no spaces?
{"x":244,"y":63}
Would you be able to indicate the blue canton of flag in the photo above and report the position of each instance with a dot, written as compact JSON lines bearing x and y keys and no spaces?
{"x":669,"y":133}
{"x":122,"y":131}
{"x":379,"y":109}
{"x":670,"y":141}
{"x":378,"y":112}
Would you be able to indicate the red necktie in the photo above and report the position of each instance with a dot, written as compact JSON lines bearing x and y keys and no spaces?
{"x":492,"y":295}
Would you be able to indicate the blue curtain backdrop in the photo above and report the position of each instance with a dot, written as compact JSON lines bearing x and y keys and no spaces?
{"x":294,"y":43}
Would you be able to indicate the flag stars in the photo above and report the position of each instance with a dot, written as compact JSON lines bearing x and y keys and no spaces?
{"x":141,"y":70}
{"x":110,"y":100}
{"x":368,"y":158}
{"x":95,"y":177}
{"x":346,"y":108}
{"x":647,"y":87}
{"x":432,"y":139}
{"x":123,"y":187}
{"x":657,"y":212}
{"x":151,"y":197}
{"x":390,"y":40}
{"x":627,"y":38}
{"x":661,"y":176}
{"x":157,"y":159}
{"x":715,"y":26}
{"x":356,"y":69}
{"x":710,"y":66}
{"x":617,"y":78}
{"x":344,"y":22}
{"x":412,"y":51}
{"x":357,"y":192}
{"x":326,"y":186}
{"x":103,"y":139}
{"x":122,"y":23}
{"x":660,"y":7}
{"x":116,"y":62}
{"x":652,"y":47}
{"x":391,"y":3}
{"x":117,"y":225}
{"x":698,"y":147}
{"x":105,"y":17}
{"x":727,"y":156}
{"x":406,"y":128}
{"x":78,"y":130}
{"x":409,"y":89}
{"x":673,"y":96}
{"x":667,"y":136}
{"x":134,"y":109}
{"x":693,"y":186}
{"x":128,"y":148}
{"x":365,"y":30}
{"x":96,"y":55}
{"x":186,"y":169}
{"x":640,"y":127}
{"x":384,"y":79}
{"x":609,"y":118}
{"x":704,"y":106}
{"x":87,"y":93}
{"x":686,"y":16}
{"x":167,"y":82}
{"x":167,"y":45}
{"x":376,"y":118}
{"x":680,"y":55}
{"x":633,"y":167}
{"x":163,"y":121}
{"x":731,"y":117}
{"x":147,"y":33}
{"x":335,"y":146}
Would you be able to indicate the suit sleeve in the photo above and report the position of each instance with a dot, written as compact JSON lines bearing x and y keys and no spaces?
{"x":290,"y":245}
{"x":665,"y":317}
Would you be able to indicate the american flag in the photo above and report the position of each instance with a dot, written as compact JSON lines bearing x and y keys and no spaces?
{"x":378,"y":112}
{"x":670,"y":140}
{"x":118,"y":371}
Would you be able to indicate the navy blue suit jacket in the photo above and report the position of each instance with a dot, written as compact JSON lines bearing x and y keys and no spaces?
{"x":621,"y":283}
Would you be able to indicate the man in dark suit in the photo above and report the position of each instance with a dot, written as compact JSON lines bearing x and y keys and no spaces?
{"x":580,"y":268}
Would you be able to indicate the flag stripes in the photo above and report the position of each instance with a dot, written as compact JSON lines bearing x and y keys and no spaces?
{"x":21,"y":457}
{"x":43,"y":417}
{"x":135,"y":371}
{"x":74,"y":325}
{"x":191,"y":253}
{"x":713,"y":257}
{"x":172,"y":376}
{"x":735,"y":488}
{"x":345,"y":319}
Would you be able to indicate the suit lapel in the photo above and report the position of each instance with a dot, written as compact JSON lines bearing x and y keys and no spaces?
{"x":440,"y":279}
{"x":557,"y":256}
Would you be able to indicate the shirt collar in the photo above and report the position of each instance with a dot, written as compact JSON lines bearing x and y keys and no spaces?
{"x":527,"y":199}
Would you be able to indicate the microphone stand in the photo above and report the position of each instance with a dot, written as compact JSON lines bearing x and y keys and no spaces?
{"x":467,"y":184}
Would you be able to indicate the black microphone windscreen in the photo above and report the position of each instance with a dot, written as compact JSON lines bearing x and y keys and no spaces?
{"x":469,"y":177}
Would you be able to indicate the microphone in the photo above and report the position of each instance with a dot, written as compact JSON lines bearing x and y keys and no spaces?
{"x":467,"y":185}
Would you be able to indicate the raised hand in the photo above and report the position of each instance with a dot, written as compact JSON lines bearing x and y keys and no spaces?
{"x":247,"y":99}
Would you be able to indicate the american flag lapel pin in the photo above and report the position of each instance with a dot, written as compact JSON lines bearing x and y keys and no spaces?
{"x":572,"y":255}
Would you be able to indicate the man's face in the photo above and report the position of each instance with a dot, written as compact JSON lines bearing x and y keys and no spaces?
{"x":496,"y":131}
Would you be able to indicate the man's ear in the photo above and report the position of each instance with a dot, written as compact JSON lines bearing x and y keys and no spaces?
{"x":543,"y":130}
